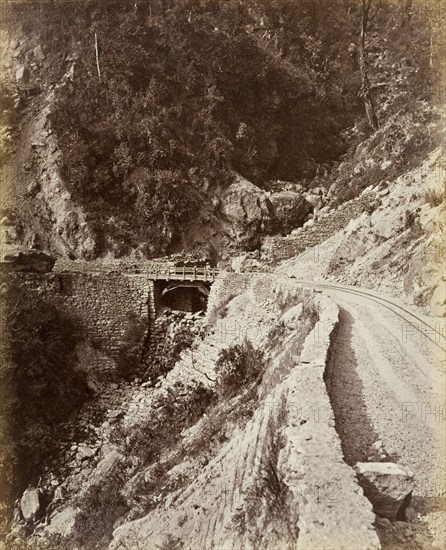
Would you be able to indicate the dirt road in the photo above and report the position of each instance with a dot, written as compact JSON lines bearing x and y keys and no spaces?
{"x":387,"y":382}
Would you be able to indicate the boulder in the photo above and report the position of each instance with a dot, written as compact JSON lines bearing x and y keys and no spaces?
{"x":309,"y":223}
{"x":111,"y":460}
{"x":22,"y":74}
{"x":324,"y":210}
{"x":438,"y":300}
{"x":249,"y":261}
{"x":59,"y":494}
{"x":388,"y":486}
{"x":290,"y":210}
{"x":385,"y":165}
{"x":387,"y":223}
{"x":30,"y":504}
{"x":84,"y":453}
{"x":316,"y":200}
{"x":292,"y":318}
{"x":38,"y":53}
{"x":383,"y":523}
{"x":247,"y":207}
{"x":114,"y":415}
{"x":29,"y":261}
{"x":33,"y":187}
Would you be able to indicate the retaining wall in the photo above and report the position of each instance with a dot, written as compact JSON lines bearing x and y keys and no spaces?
{"x":103,"y":302}
{"x":333,"y":511}
{"x":275,"y":249}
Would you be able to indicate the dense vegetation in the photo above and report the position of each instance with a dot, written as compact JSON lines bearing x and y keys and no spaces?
{"x":179,"y":94}
{"x":238,"y":366}
{"x":186,"y":97}
{"x":39,"y":385}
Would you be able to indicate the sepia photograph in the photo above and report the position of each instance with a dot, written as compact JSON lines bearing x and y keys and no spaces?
{"x":223,"y":274}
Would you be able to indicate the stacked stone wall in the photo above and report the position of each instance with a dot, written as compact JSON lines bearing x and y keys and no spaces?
{"x":280,"y":248}
{"x":104,"y":303}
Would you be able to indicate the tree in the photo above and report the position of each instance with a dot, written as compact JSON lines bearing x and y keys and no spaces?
{"x":406,"y":12}
{"x":366,"y":92}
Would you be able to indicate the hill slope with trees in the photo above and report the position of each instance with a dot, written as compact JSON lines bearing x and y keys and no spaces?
{"x":156,"y":105}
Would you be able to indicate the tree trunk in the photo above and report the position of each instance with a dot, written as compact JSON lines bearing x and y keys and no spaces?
{"x":406,"y":12}
{"x":431,"y":47}
{"x":97,"y":55}
{"x":366,"y":92}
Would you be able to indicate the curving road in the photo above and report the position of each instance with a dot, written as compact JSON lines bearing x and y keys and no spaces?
{"x":388,"y":383}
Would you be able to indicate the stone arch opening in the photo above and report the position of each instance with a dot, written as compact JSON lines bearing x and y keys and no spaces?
{"x":187,"y":296}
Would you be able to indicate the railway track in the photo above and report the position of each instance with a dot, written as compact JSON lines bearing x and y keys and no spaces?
{"x":433,"y":334}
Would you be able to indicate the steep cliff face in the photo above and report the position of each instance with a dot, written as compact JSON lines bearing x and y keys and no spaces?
{"x":38,"y":209}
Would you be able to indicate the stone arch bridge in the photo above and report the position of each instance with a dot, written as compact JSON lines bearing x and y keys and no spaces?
{"x":108,"y":298}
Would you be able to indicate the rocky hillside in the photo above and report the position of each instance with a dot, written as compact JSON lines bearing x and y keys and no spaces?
{"x":208,"y":454}
{"x":396,"y":245}
{"x":184,"y":126}
{"x":239,"y":132}
{"x":236,"y":445}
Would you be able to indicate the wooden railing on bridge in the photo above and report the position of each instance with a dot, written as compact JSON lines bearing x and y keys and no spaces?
{"x":174,"y":273}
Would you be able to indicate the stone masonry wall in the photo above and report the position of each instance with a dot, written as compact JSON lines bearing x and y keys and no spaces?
{"x":101,"y":301}
{"x":276,"y":249}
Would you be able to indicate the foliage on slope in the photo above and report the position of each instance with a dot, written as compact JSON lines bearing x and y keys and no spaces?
{"x":183,"y":93}
{"x":39,"y":384}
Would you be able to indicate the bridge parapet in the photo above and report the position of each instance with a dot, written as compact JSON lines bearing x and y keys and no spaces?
{"x":182,"y":273}
{"x":154,"y":270}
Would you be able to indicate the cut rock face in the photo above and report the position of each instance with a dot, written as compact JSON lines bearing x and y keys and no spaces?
{"x":388,"y":486}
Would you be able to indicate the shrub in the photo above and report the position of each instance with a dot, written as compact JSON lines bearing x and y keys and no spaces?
{"x":434,"y":197}
{"x":180,"y":407}
{"x":101,"y":507}
{"x":238,"y":366}
{"x":214,"y":428}
{"x":220,"y":310}
{"x":309,"y":311}
{"x":169,"y":351}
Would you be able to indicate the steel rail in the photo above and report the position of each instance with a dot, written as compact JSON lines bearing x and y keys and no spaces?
{"x":379,"y":300}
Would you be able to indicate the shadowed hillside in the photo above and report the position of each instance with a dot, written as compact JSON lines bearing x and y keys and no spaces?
{"x":154,"y":106}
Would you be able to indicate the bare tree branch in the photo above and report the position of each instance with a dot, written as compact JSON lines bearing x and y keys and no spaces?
{"x":198,"y":370}
{"x":366,"y":92}
{"x":372,"y":17}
